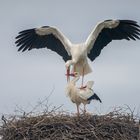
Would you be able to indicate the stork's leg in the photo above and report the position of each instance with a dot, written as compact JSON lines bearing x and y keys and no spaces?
{"x":82,"y":78}
{"x":78,"y":112}
{"x":74,"y":68}
{"x":85,"y":109}
{"x":68,"y":72}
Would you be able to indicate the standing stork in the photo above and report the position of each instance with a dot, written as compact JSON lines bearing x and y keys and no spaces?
{"x":78,"y":96}
{"x":77,"y":54}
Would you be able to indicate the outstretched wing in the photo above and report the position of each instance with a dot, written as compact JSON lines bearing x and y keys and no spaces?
{"x":45,"y":36}
{"x":110,"y":30}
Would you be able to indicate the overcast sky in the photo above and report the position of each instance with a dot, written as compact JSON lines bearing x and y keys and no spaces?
{"x":26,"y":78}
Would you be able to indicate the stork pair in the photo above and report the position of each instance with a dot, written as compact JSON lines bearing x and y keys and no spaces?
{"x":82,"y":95}
{"x":78,"y":54}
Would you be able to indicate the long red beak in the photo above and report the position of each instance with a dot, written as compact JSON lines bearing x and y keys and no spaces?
{"x":72,"y":74}
{"x":68,"y":74}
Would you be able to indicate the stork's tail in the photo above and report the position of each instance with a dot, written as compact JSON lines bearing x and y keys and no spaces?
{"x":94,"y":97}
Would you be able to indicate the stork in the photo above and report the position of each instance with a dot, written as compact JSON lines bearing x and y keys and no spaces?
{"x":78,"y":95}
{"x":77,"y":54}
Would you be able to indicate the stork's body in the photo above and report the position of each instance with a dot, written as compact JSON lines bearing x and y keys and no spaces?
{"x":78,"y":95}
{"x":79,"y":60}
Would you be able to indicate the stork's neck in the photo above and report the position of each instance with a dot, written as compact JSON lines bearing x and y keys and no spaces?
{"x":75,"y":79}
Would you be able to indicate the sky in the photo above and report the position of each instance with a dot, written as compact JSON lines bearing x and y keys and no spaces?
{"x":29,"y":77}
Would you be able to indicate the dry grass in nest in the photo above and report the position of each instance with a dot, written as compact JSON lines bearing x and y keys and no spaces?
{"x":55,"y":125}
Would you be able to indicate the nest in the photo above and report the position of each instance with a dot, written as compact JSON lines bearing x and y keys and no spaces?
{"x":54,"y":125}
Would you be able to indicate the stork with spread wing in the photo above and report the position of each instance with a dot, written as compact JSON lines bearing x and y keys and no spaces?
{"x":77,"y":54}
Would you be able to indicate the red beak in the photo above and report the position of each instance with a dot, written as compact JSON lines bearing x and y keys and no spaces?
{"x":72,"y":74}
{"x":68,"y":74}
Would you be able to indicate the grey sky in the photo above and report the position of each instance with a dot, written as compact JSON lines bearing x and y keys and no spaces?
{"x":27,"y":77}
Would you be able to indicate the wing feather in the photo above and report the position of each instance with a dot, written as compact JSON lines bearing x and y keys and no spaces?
{"x":44,"y":37}
{"x":110,"y":30}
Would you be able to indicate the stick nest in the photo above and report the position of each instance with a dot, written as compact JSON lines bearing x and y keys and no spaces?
{"x":63,"y":126}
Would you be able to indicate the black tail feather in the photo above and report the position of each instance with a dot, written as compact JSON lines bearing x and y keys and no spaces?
{"x":94,"y":97}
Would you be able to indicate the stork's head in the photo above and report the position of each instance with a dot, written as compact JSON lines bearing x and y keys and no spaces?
{"x":76,"y":74}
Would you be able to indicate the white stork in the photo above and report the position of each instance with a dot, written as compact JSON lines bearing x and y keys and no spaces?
{"x":77,"y":95}
{"x":77,"y":54}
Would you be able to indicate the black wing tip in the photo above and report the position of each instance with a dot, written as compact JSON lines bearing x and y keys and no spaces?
{"x":23,"y":49}
{"x":19,"y":50}
{"x":94,"y":97}
{"x":27,"y":31}
{"x":132,"y":29}
{"x":22,"y":39}
{"x":126,"y":21}
{"x":131,"y":22}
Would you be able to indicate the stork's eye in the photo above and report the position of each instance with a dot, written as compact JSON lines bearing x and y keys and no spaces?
{"x":76,"y":73}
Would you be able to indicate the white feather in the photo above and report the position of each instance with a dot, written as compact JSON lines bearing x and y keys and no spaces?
{"x":77,"y":95}
{"x":96,"y":31}
{"x":58,"y":34}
